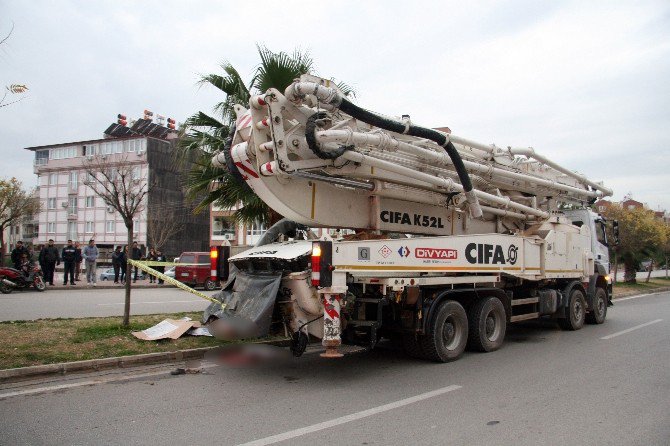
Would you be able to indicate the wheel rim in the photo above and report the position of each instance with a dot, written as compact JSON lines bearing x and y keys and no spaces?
{"x":451,"y":333}
{"x":601,"y":307}
{"x":578,"y":310}
{"x":492,"y":326}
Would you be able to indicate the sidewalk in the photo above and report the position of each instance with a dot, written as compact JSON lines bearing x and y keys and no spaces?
{"x":105,"y":285}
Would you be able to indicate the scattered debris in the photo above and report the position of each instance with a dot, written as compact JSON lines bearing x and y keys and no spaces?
{"x":167,"y":329}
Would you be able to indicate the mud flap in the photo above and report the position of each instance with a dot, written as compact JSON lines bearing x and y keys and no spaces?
{"x":249,"y":300}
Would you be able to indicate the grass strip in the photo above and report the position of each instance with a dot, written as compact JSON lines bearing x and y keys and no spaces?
{"x":50,"y":341}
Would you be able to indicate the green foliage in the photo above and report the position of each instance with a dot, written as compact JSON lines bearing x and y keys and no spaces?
{"x":641,"y":236}
{"x":15,"y":204}
{"x":205,"y":135}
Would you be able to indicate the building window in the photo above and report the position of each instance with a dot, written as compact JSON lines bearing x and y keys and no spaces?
{"x":72,"y":230}
{"x":256,"y":229}
{"x":90,"y":149}
{"x":110,"y":227}
{"x":89,"y":227}
{"x":51,"y":203}
{"x":51,"y":227}
{"x":62,"y":153}
{"x":223,"y":226}
{"x":135,"y":145}
{"x":53,"y":179}
{"x":74,"y":180}
{"x":72,"y":205}
{"x":135,"y":174}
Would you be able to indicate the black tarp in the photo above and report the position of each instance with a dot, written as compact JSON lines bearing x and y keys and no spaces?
{"x":249,"y":300}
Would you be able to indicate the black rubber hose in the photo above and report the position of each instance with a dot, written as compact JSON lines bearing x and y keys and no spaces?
{"x":398,"y":127}
{"x":282,"y":227}
{"x":310,"y":137}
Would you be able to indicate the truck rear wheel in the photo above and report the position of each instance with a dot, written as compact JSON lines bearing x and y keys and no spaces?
{"x":447,"y":334}
{"x":488,"y":323}
{"x":599,"y":311}
{"x":575,"y":313}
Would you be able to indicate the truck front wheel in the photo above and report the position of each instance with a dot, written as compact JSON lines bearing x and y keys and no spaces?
{"x":448,"y":333}
{"x":599,"y":311}
{"x":488,"y":323}
{"x":575,"y":313}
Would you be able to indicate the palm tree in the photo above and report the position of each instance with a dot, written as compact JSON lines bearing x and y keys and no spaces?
{"x":205,"y":135}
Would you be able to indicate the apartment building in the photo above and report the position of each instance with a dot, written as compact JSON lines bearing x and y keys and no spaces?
{"x":72,"y":210}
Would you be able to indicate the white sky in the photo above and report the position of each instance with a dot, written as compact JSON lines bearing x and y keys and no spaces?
{"x":585,"y":83}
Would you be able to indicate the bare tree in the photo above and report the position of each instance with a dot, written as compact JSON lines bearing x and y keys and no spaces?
{"x":123,"y":187}
{"x":13,"y":88}
{"x":161,"y":230}
{"x":15,"y":205}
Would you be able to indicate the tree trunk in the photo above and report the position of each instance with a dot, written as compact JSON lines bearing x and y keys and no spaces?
{"x":651,"y":268}
{"x":129,"y":269}
{"x":629,"y":271}
{"x":666,"y":267}
{"x":2,"y":246}
{"x":616,"y":268}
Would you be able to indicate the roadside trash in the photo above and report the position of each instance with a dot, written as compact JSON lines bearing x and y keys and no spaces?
{"x":167,"y":329}
{"x":199,"y":331}
{"x":172,"y":329}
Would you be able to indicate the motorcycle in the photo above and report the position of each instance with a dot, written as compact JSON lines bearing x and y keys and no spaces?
{"x":11,"y":278}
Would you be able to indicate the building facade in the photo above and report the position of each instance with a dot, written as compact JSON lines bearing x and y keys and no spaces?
{"x":71,"y":209}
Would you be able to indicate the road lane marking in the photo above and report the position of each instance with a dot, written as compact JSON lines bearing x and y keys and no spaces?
{"x":618,"y":333}
{"x":92,"y":382}
{"x":156,"y":302}
{"x":348,"y":418}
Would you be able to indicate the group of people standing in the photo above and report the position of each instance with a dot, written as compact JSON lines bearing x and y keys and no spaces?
{"x":72,"y":257}
{"x":120,"y":262}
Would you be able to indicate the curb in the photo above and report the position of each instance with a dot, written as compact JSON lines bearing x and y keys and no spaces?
{"x":657,"y":290}
{"x":9,"y":375}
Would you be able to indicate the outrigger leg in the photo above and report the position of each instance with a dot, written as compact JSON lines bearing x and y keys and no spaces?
{"x":331,"y":325}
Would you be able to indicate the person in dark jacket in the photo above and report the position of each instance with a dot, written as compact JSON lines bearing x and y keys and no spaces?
{"x":77,"y":261}
{"x":124,"y":263}
{"x":69,"y":256}
{"x":17,"y":253}
{"x":135,"y":254}
{"x":152,"y":258}
{"x":49,"y":258}
{"x":160,"y":257}
{"x":117,"y":256}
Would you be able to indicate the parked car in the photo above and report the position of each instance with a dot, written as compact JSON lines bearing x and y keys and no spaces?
{"x":170,"y":272}
{"x":195,"y":270}
{"x":108,"y":274}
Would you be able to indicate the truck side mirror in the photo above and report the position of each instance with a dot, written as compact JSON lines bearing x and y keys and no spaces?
{"x":615,"y":232}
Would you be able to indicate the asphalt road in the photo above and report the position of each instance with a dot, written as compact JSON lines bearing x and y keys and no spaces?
{"x":83,"y":301}
{"x":605,"y":384}
{"x":89,"y":302}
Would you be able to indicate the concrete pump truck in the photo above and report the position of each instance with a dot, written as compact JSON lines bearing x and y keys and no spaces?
{"x":454,"y":240}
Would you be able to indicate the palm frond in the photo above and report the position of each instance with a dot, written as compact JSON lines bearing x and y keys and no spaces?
{"x":279,"y":70}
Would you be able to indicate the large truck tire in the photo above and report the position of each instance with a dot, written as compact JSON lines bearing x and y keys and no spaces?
{"x":575,"y":312}
{"x":599,"y":311}
{"x":447,"y":333}
{"x":488,"y":323}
